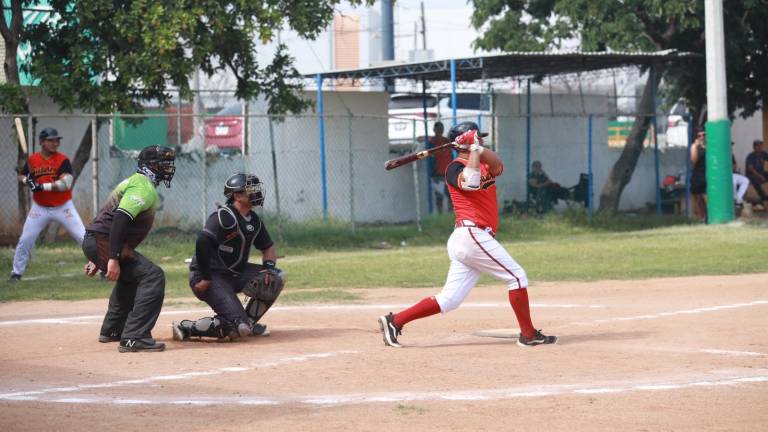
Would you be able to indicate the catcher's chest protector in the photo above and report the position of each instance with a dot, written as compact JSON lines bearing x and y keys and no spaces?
{"x":235,"y":236}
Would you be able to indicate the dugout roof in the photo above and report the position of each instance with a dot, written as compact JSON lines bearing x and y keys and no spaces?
{"x":512,"y":64}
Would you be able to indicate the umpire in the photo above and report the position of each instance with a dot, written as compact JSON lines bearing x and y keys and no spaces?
{"x":110,"y":243}
{"x":220,"y":268}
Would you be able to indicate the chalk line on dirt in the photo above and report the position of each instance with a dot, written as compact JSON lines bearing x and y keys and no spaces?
{"x":80,"y":319}
{"x":758,"y":377}
{"x":13,"y":395}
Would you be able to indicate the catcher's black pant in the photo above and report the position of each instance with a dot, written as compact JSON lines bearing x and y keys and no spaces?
{"x":137,"y":297}
{"x":222,"y":295}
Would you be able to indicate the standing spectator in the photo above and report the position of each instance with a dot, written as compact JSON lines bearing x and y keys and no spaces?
{"x":48,"y":173}
{"x":740,"y":183}
{"x":756,"y":169}
{"x":699,"y":177}
{"x":110,"y":246}
{"x":438,"y":163}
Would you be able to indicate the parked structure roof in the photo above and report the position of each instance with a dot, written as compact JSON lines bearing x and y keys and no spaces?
{"x":510,"y":64}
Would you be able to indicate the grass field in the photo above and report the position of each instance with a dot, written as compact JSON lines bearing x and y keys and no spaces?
{"x":322,"y":260}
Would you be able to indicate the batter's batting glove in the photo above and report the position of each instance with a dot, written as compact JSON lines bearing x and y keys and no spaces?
{"x":33,"y":185}
{"x":465,"y":141}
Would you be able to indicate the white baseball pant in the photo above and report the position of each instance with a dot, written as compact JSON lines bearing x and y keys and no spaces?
{"x":740,"y":186}
{"x":38,"y":217}
{"x":473,"y":251}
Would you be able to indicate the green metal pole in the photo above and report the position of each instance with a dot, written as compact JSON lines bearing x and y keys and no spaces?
{"x":719,"y":172}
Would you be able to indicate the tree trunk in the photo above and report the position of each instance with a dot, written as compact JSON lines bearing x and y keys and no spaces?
{"x":621,"y":172}
{"x":83,"y":152}
{"x":11,"y":29}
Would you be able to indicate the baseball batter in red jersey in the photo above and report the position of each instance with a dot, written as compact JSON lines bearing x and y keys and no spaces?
{"x":472,"y":247}
{"x":48,"y":173}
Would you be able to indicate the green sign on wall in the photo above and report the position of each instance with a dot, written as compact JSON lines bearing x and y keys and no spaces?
{"x":151,"y":131}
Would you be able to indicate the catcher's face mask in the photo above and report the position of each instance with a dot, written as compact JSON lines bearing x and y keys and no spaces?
{"x":253,"y":190}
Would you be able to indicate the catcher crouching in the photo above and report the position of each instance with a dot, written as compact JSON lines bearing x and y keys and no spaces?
{"x":220,"y":268}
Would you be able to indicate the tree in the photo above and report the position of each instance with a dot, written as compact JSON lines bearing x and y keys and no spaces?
{"x":639,"y":25}
{"x":104,"y":57}
{"x":12,"y":99}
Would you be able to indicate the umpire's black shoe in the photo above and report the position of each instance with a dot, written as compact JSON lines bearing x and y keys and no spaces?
{"x":389,"y":330}
{"x":538,"y":339}
{"x":14,"y":277}
{"x":111,"y":337}
{"x":140,"y":345}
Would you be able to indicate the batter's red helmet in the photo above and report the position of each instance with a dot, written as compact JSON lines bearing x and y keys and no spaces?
{"x":466,"y":126}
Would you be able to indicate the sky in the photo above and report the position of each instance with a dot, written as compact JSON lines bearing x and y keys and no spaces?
{"x":449,"y":33}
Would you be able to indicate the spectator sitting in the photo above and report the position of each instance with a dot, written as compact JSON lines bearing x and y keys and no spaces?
{"x":543,"y":190}
{"x":438,"y":163}
{"x":740,"y":183}
{"x":756,"y":170}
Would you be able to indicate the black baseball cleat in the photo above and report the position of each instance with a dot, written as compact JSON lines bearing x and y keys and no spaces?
{"x":389,"y":330}
{"x":111,"y":337}
{"x":14,"y":277}
{"x":538,"y":339}
{"x":140,"y":345}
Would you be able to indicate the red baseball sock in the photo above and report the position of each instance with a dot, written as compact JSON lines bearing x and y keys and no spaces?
{"x":518,"y":298}
{"x":422,"y":309}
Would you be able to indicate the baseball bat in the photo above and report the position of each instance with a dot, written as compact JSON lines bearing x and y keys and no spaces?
{"x":22,"y":137}
{"x":406,"y":159}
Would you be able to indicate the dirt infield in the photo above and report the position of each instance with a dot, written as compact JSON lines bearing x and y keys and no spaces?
{"x":663,"y":354}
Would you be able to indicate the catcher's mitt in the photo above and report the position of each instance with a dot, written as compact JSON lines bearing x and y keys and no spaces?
{"x":266,"y":286}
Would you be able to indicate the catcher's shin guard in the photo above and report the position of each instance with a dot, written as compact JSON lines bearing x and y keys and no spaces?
{"x":203,"y":327}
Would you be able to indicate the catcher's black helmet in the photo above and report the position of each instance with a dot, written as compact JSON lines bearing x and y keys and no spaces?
{"x":159,"y":160}
{"x":462,"y":127}
{"x":242,"y":182}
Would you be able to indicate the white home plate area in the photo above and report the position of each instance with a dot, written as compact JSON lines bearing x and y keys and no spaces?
{"x":678,"y":353}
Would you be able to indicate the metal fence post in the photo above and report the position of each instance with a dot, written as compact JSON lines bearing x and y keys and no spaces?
{"x":688,"y":167}
{"x":590,"y":197}
{"x":94,"y":167}
{"x":655,"y":143}
{"x":528,"y":132}
{"x":178,"y":121}
{"x":426,"y":141}
{"x":246,"y":149}
{"x":274,"y":178}
{"x":351,"y":174}
{"x":203,"y":167}
{"x":321,"y":120}
{"x":416,"y":182}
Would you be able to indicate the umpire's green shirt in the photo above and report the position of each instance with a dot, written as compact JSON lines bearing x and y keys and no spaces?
{"x":135,"y":196}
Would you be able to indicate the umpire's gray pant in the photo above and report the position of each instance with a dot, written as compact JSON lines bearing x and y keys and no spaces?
{"x":137,"y":297}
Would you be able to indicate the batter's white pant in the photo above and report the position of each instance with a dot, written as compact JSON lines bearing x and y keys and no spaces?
{"x":740,"y":186}
{"x":473,"y":251}
{"x":38,"y":217}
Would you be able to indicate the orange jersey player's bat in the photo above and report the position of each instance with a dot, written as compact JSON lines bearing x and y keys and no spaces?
{"x":406,"y":159}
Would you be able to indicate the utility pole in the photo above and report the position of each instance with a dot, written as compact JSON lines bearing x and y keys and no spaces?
{"x":423,"y":29}
{"x":387,"y":40}
{"x":718,"y":126}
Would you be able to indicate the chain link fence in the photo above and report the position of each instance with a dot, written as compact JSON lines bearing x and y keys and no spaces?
{"x":336,"y":175}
